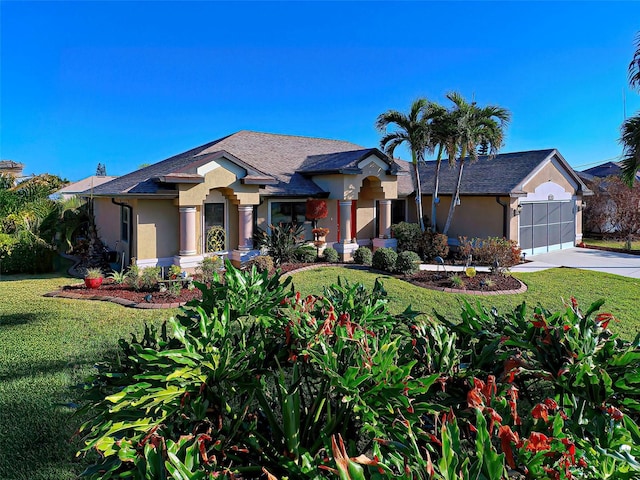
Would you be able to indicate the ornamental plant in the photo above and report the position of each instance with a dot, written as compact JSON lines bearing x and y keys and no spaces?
{"x":254,"y":380}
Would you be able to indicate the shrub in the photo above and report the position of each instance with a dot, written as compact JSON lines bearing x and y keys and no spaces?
{"x":25,"y":254}
{"x":174,"y":272}
{"x":363,"y":256}
{"x":434,"y":245}
{"x":254,"y":379}
{"x":407,"y":263}
{"x":331,"y":255}
{"x":133,"y":279}
{"x":384,"y":259}
{"x":488,"y":251}
{"x":283,"y":242}
{"x":408,"y":235}
{"x":209,"y":268}
{"x":149,"y":278}
{"x":263,"y":263}
{"x":305,"y":254}
{"x":118,"y":277}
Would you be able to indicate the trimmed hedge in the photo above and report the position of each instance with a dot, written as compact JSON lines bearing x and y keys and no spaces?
{"x":407,"y":263}
{"x":384,"y":259}
{"x":331,"y":255}
{"x":363,"y":256}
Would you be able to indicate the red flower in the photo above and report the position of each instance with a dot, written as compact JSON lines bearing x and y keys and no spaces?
{"x":551,"y":403}
{"x":495,"y":418}
{"x":538,"y":442}
{"x":540,"y":411}
{"x":603,"y":319}
{"x":506,"y":437}
{"x":615,"y":413}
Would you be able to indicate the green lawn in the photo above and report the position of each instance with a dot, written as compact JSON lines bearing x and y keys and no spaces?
{"x":48,"y":345}
{"x":548,"y":288}
{"x":601,"y":242}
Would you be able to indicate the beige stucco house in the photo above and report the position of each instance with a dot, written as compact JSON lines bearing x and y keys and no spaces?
{"x":209,"y":200}
{"x":534,"y":198}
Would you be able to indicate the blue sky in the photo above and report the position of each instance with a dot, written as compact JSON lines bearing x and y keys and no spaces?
{"x":127,"y":83}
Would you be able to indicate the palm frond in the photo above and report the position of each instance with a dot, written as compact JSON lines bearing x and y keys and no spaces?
{"x":630,"y":140}
{"x":634,"y":66}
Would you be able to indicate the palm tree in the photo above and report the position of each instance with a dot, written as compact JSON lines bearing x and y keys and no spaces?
{"x":630,"y":138}
{"x":413,"y":130}
{"x":474,"y":126}
{"x":442,"y":132}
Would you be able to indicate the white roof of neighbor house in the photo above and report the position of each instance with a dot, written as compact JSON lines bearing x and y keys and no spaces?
{"x":84,"y":185}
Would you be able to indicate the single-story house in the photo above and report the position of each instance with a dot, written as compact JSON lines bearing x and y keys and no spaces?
{"x":210,"y":199}
{"x":534,"y":198}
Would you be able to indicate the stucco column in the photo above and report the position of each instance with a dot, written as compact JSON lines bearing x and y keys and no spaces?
{"x":385,"y":219}
{"x":345,"y":221}
{"x":188,"y":231}
{"x":245,"y":227}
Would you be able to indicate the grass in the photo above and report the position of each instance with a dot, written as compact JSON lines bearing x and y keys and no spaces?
{"x":610,"y":243}
{"x":49,"y":345}
{"x":548,"y":288}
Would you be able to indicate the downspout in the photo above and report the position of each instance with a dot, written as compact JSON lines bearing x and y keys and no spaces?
{"x":130,"y":242}
{"x":505,"y":216}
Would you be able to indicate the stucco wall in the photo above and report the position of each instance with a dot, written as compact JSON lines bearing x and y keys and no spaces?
{"x":550,"y":172}
{"x":107,"y":219}
{"x":158,"y":229}
{"x":365,"y":221}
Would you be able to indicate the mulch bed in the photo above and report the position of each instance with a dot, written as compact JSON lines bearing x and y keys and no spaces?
{"x":110,"y":289}
{"x":481,"y":283}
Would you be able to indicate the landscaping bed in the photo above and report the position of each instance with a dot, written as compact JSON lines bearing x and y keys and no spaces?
{"x":111,"y":289}
{"x":481,"y":282}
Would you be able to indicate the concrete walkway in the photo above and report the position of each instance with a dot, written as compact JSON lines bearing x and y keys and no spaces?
{"x":587,"y":259}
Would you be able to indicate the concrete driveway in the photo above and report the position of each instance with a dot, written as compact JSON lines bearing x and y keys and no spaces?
{"x":586,"y":259}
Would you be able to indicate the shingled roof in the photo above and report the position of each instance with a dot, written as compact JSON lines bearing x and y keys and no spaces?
{"x":280,"y":162}
{"x":500,"y":175}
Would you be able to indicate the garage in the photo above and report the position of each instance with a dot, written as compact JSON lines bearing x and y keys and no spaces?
{"x":547,"y":226}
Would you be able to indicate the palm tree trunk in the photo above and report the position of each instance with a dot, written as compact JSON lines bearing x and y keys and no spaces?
{"x":436,"y":184}
{"x":418,"y":196}
{"x":455,"y":197}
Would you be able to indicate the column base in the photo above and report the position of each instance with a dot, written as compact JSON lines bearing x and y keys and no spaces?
{"x":385,"y":243}
{"x":240,"y":257}
{"x":345,"y":250}
{"x":188,"y":262}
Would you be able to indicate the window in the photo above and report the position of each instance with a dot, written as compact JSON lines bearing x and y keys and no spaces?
{"x":125,"y":221}
{"x":290,"y":213}
{"x":214,"y":227}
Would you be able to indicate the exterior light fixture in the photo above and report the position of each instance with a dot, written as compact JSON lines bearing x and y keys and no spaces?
{"x":517,"y":210}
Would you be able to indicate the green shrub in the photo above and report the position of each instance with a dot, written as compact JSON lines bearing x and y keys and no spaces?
{"x":209,"y":268}
{"x":149,"y":278}
{"x":408,"y":235}
{"x":331,"y":255}
{"x":363,"y":256}
{"x":174,"y":272}
{"x":25,"y":254}
{"x":407,"y":263}
{"x":384,"y":259}
{"x":254,"y":379}
{"x":305,"y":254}
{"x":133,"y":278}
{"x":434,"y":245}
{"x":263,"y":263}
{"x":118,"y":277}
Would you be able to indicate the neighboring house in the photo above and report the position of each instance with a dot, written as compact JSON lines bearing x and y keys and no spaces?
{"x":604,"y":170}
{"x":534,"y":198}
{"x":84,"y":186}
{"x":9,"y":167}
{"x":209,"y":200}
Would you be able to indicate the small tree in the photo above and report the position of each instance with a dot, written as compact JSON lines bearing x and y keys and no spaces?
{"x":316,"y":209}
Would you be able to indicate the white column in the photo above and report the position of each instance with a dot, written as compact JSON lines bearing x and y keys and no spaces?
{"x":245,"y":227}
{"x":188,"y":231}
{"x":385,"y":219}
{"x":345,"y":221}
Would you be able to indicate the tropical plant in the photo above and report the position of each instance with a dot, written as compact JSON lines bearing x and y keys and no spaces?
{"x":283,"y":242}
{"x":413,"y":130}
{"x":474,"y":126}
{"x":434,"y":245}
{"x":149,"y":278}
{"x":363,"y":256}
{"x":263,"y":263}
{"x":93,"y":273}
{"x":384,"y":259}
{"x":630,"y":138}
{"x":209,"y":267}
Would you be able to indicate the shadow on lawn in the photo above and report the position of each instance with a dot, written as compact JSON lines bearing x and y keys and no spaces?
{"x":13,"y":319}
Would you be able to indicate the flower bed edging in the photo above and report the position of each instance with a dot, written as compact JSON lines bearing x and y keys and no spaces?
{"x":116,"y":300}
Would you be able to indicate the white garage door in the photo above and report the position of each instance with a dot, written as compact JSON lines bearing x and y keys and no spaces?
{"x":546,"y":226}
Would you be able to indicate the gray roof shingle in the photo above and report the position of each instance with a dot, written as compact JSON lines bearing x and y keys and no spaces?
{"x":271,"y":155}
{"x":497,"y":176}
